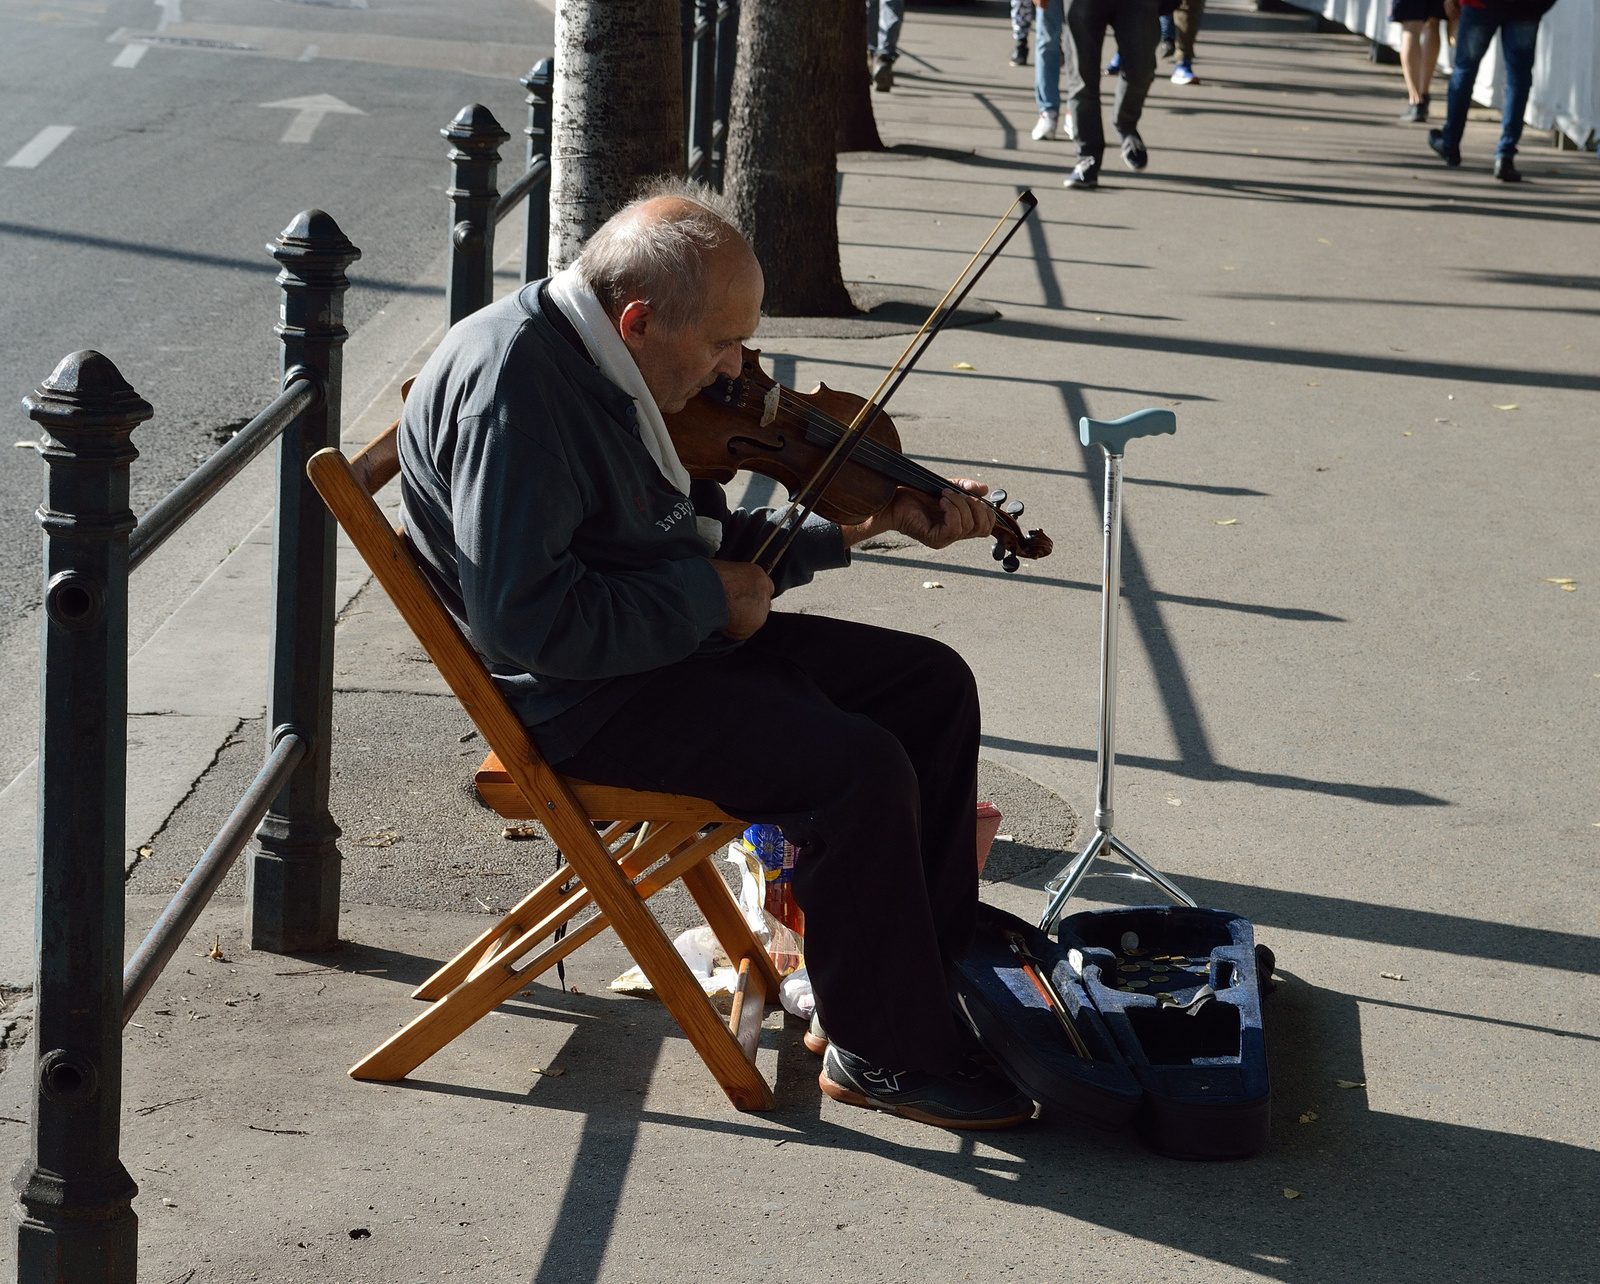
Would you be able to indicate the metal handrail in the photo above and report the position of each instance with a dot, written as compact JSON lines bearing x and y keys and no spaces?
{"x":163,"y":939}
{"x":191,"y":494}
{"x":537,"y":173}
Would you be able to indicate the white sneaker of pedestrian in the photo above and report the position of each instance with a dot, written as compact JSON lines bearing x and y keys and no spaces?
{"x":1066,"y":128}
{"x":1046,"y":128}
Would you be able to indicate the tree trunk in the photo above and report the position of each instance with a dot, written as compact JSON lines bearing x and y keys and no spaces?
{"x":781,"y":171}
{"x":858,"y":127}
{"x":618,"y":111}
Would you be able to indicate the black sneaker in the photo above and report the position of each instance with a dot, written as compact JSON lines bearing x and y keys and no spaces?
{"x":1019,"y":55}
{"x":1168,"y":48}
{"x":971,"y":1097}
{"x":1085,"y":174}
{"x":1414,"y":114}
{"x":815,"y":1038}
{"x":1134,"y":155}
{"x":1505,"y":169}
{"x":883,"y":75}
{"x":1451,"y":156}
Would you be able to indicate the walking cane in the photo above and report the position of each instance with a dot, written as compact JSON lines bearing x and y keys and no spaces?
{"x":1113,"y":439}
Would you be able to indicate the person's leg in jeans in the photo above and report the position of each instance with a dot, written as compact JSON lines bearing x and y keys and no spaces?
{"x":1518,"y":40}
{"x":872,"y":28}
{"x":891,"y":13}
{"x":1047,"y":57}
{"x":1476,"y":29}
{"x":1086,"y":27}
{"x":1138,"y":27}
{"x":862,"y":744}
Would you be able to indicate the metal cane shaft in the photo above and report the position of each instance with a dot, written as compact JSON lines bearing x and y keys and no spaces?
{"x":1110,"y":601}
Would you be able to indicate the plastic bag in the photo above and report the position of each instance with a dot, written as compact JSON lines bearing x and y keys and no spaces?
{"x":785,"y":946}
{"x":795,"y":994}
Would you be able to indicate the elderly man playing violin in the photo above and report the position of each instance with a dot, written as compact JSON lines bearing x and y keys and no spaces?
{"x":617,"y":607}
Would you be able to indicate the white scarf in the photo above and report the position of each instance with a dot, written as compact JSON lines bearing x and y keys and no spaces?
{"x":579,"y":305}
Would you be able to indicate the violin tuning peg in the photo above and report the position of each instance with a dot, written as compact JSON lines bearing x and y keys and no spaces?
{"x":1014,"y":508}
{"x":1010,"y":563}
{"x":998,"y":550}
{"x":997,"y":497}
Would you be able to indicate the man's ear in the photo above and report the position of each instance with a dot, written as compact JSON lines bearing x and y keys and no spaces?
{"x":634,"y":323}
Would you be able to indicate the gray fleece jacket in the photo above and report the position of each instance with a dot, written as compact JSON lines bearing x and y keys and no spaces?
{"x":572,"y":564}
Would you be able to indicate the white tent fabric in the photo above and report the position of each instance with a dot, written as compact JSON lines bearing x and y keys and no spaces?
{"x":1566,"y":66}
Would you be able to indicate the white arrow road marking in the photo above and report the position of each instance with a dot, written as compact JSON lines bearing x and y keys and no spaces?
{"x":309,"y":112}
{"x":39,"y":146}
{"x":130,"y":55}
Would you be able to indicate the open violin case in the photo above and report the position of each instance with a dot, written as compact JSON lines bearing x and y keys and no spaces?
{"x":1164,"y":1005}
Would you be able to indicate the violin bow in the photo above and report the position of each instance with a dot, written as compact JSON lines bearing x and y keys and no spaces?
{"x":788,"y":526}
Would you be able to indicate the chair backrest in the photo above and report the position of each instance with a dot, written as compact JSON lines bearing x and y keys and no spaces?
{"x":349,"y":497}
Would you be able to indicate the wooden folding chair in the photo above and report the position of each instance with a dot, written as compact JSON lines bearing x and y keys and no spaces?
{"x":679,"y":831}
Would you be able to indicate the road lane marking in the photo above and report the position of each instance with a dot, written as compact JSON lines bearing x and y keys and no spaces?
{"x":308,"y":55}
{"x":130,"y":55}
{"x":171,"y":11}
{"x":40,"y":146}
{"x":309,"y":112}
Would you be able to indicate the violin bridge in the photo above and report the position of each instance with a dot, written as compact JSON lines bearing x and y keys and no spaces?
{"x":769,"y":407}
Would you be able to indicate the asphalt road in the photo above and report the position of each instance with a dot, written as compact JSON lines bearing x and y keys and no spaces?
{"x":141,"y":232}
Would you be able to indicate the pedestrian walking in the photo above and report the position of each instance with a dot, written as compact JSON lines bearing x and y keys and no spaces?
{"x":883,"y":40}
{"x":1517,"y":22}
{"x":1419,"y":51}
{"x":1137,"y":28}
{"x":1021,"y":29}
{"x":1048,"y":62}
{"x":1186,"y":27}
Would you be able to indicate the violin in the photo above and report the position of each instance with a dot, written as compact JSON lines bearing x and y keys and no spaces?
{"x":753,"y":422}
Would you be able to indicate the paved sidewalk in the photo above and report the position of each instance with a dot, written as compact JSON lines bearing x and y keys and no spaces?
{"x":1354,"y":708}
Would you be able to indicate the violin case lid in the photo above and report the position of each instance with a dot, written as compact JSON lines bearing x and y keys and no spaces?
{"x":1167,"y":998}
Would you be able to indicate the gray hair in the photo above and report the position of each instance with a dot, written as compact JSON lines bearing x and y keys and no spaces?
{"x":659,"y":261}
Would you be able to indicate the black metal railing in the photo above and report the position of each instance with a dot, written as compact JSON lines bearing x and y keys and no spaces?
{"x":76,"y":1220}
{"x":710,"y":36}
{"x":477,"y":206}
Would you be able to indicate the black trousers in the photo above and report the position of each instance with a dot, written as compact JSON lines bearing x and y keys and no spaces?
{"x":862,"y":743}
{"x":1137,"y":24}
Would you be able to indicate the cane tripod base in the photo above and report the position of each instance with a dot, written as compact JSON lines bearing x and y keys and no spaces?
{"x":1064,"y":884}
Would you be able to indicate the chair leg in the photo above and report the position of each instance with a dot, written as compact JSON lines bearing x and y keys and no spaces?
{"x":726,"y":919}
{"x":459,"y":1010}
{"x":536,"y":905}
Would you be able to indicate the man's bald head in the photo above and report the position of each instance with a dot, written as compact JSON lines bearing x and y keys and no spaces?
{"x":681,"y":286}
{"x":674,"y":248}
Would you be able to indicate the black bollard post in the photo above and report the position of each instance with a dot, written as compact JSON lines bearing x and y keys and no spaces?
{"x":292,"y":881}
{"x":727,"y":45}
{"x":75,"y":1220}
{"x":475,"y":137}
{"x":540,"y":84}
{"x":703,"y":91}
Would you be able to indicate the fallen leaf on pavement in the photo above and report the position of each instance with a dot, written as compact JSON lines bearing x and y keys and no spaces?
{"x":517,"y":832}
{"x":1290,"y":1194}
{"x":1511,"y":406}
{"x":383,"y":838}
{"x":1313,"y":385}
{"x":1309,"y":1117}
{"x":215,"y":952}
{"x":963,"y":365}
{"x":1226,"y":521}
{"x":1392,"y":976}
{"x":1349,"y":1083}
{"x":549,"y":1074}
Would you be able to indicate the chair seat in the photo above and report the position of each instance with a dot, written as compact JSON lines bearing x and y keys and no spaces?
{"x":600,"y":802}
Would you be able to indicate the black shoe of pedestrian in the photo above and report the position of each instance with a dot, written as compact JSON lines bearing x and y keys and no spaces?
{"x":1415,"y":113}
{"x":1019,"y":55}
{"x":815,"y":1038}
{"x":1134,"y":155}
{"x":1168,"y":48}
{"x":1505,"y":169}
{"x":883,"y":76}
{"x":1086,"y":173}
{"x":968,"y":1098}
{"x":1451,"y":156}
